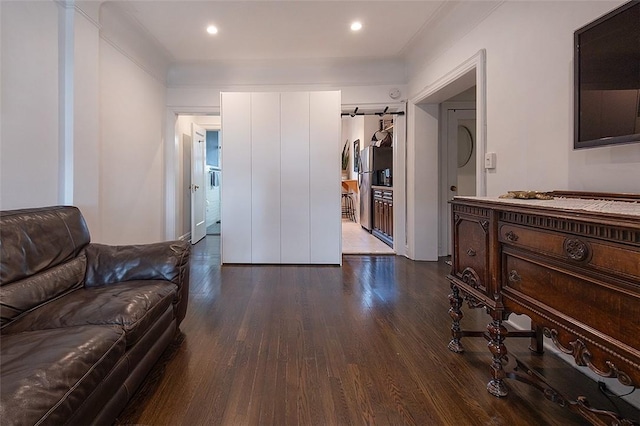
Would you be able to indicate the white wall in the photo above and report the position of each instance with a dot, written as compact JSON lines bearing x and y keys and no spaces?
{"x":530,"y":99}
{"x":352,"y":129}
{"x":132,"y":123}
{"x":29,"y":173}
{"x":371,"y":126}
{"x":131,"y":117}
{"x":82,"y":117}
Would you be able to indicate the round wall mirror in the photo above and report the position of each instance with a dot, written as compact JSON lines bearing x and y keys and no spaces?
{"x":465,"y":145}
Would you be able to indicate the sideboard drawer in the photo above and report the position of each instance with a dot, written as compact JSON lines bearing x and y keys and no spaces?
{"x":604,"y":257}
{"x":579,"y":297}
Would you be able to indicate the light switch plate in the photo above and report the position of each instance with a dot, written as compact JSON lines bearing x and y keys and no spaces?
{"x":490,"y":160}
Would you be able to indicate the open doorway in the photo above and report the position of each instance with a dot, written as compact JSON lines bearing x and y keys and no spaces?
{"x":369,"y":141}
{"x":458,"y":156}
{"x":199,"y":175}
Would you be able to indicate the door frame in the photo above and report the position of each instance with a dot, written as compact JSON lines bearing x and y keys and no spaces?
{"x":172,"y":144}
{"x":399,"y":169}
{"x":198,"y":199}
{"x":423,"y":208}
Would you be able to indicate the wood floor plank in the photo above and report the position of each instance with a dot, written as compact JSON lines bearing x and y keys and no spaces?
{"x":365,"y":343}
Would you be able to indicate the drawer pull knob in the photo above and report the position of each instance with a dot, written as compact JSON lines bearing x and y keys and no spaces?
{"x":511,"y":236}
{"x":576,"y":249}
{"x":514,"y":277}
{"x":471,"y":252}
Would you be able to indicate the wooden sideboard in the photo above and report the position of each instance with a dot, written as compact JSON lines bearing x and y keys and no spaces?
{"x":571,"y":264}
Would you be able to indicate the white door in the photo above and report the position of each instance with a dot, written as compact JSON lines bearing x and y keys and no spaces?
{"x":198,"y":188}
{"x":461,"y":159}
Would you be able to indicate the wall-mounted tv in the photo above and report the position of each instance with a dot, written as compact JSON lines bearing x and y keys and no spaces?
{"x":607,"y":79}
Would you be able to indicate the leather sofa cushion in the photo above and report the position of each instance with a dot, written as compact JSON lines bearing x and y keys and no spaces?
{"x":46,"y":375}
{"x":132,"y":305}
{"x":34,"y":240}
{"x":20,"y":296}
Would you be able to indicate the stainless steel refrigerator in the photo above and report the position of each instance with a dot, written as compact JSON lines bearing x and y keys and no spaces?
{"x":372,"y":160}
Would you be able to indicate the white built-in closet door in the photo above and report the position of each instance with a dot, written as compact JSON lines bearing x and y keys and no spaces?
{"x":265,"y":177}
{"x":295,"y":245}
{"x":324,"y":174}
{"x":281,"y":177}
{"x":235,"y":200}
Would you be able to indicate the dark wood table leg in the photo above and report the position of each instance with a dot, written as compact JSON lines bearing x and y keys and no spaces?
{"x":455,"y":300}
{"x":497,"y":334}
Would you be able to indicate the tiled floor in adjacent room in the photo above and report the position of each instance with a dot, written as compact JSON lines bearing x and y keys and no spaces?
{"x":356,"y":240}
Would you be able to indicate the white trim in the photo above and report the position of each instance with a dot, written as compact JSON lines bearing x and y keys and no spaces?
{"x":132,"y":59}
{"x":66,"y":43}
{"x":85,"y":15}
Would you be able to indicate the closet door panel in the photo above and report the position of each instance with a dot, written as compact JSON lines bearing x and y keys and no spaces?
{"x":324,"y":131}
{"x":235,"y":188}
{"x":294,"y":178}
{"x":265,"y":177}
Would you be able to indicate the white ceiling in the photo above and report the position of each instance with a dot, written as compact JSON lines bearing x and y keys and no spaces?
{"x":283,"y":29}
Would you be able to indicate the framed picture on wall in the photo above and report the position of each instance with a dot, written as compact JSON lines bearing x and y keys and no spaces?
{"x":356,"y":155}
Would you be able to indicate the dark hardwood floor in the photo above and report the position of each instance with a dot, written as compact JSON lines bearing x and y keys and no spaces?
{"x":361,"y":344}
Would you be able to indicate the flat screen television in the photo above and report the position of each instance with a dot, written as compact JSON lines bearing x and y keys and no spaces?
{"x":607,"y":79}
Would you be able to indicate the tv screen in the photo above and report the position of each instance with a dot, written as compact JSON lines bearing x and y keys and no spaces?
{"x":607,"y":79}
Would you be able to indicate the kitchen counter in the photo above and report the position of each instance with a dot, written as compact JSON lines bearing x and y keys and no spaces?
{"x":350,"y":185}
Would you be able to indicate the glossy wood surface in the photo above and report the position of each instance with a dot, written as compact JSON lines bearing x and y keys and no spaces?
{"x":362,"y":344}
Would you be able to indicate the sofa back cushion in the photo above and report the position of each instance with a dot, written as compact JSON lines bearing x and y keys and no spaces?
{"x":39,"y":256}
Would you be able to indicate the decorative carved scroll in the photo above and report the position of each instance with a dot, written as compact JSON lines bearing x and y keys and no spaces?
{"x":469,"y":276}
{"x":581,"y":406}
{"x":582,"y":357}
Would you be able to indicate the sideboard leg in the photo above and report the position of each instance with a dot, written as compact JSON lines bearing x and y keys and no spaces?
{"x":455,"y":345}
{"x":537,"y":341}
{"x":497,"y":334}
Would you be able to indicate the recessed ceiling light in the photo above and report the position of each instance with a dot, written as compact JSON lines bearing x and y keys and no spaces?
{"x":211,"y":29}
{"x":356,"y":26}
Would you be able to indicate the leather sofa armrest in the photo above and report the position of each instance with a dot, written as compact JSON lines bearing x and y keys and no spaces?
{"x":158,"y":261}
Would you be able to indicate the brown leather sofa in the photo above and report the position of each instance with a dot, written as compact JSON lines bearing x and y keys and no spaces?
{"x":81,"y":323}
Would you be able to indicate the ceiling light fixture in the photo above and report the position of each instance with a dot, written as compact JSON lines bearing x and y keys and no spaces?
{"x":211,"y":29}
{"x":356,"y":26}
